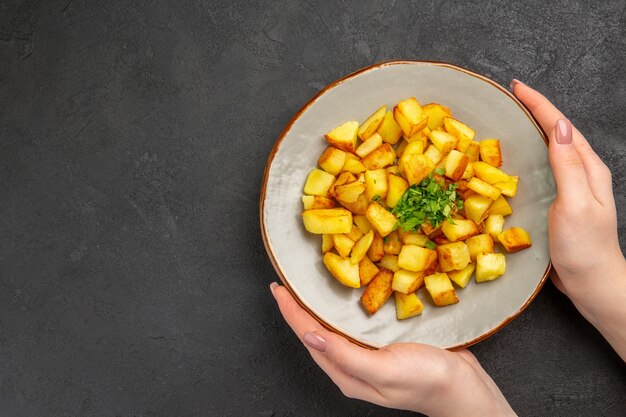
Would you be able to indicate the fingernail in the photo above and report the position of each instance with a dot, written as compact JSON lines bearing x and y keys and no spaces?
{"x":315,"y":341}
{"x":514,"y":83}
{"x":563,"y":132}
{"x":273,"y":286}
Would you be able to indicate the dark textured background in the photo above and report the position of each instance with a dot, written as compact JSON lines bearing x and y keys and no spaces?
{"x":133,"y":137}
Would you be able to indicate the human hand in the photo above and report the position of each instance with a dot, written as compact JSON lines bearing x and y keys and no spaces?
{"x":406,"y":376}
{"x":582,"y":223}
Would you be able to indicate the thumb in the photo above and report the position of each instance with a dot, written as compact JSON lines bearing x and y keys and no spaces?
{"x":569,"y":171}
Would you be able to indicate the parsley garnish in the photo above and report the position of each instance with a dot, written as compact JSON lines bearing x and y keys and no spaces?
{"x":386,"y":239}
{"x":429,"y":201}
{"x":430,"y":245}
{"x":376,"y":198}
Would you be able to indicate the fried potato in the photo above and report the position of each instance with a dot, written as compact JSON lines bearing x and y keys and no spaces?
{"x":515,"y":239}
{"x":343,"y":270}
{"x":377,"y":291}
{"x":327,"y":221}
{"x":344,"y":136}
{"x":408,"y":305}
{"x":440,"y":289}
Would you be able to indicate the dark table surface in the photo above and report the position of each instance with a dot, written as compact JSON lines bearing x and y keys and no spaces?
{"x":133,"y":137}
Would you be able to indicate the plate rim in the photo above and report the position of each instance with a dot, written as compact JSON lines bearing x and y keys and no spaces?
{"x":264,"y":233}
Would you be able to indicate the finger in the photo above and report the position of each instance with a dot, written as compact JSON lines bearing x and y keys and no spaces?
{"x":569,"y":172}
{"x":308,"y":330}
{"x":547,"y":115}
{"x":344,"y":355}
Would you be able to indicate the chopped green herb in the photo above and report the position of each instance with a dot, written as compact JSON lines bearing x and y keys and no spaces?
{"x":376,"y":198}
{"x":439,"y":171}
{"x":429,"y":201}
{"x":386,"y":239}
{"x":430,"y":245}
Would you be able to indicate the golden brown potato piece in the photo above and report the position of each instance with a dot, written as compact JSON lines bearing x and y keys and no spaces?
{"x":440,"y":289}
{"x":489,"y":173}
{"x":383,"y":221}
{"x":349,"y":192}
{"x":444,"y":141}
{"x":489,"y":266}
{"x":318,"y":182}
{"x":477,"y":207}
{"x":367,"y":270}
{"x":332,"y":160}
{"x":494,"y":223}
{"x":392,"y":243}
{"x":461,"y":229}
{"x":415,"y":167}
{"x":483,"y":188}
{"x":508,"y":188}
{"x":410,"y":116}
{"x":463,"y":133}
{"x":406,"y":281}
{"x":328,"y":243}
{"x":377,"y":291}
{"x":397,"y":186}
{"x":343,"y":244}
{"x":453,"y":256}
{"x":389,"y":129}
{"x":361,"y":247}
{"x":500,"y":206}
{"x":376,"y":184}
{"x":490,"y":152}
{"x":359,"y":206}
{"x":327,"y":221}
{"x":515,"y":239}
{"x":380,"y":157}
{"x":344,"y":136}
{"x":376,"y":250}
{"x":369,"y":127}
{"x":435,"y":113}
{"x":482,"y":243}
{"x":416,"y":258}
{"x":343,"y":270}
{"x":408,"y":305}
{"x":462,"y":276}
{"x":369,"y":145}
{"x":389,"y":262}
{"x":456,"y":164}
{"x":317,"y":202}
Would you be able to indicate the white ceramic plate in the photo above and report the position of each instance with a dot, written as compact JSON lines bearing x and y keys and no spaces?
{"x":484,"y":105}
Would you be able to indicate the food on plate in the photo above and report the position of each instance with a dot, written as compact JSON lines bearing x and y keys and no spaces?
{"x":409,"y":199}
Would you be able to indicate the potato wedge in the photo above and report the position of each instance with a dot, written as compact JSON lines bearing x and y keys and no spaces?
{"x":494,"y":225}
{"x":370,"y":126}
{"x":501,"y":207}
{"x":489,"y":173}
{"x":369,"y":145}
{"x":410,"y":116}
{"x":444,"y":141}
{"x":392,"y":243}
{"x":456,"y":165}
{"x":508,"y":188}
{"x":349,"y":192}
{"x":476,"y":207}
{"x":328,"y":243}
{"x":462,"y":132}
{"x":483,"y":188}
{"x":415,"y":168}
{"x":343,"y":244}
{"x":361,"y":247}
{"x":389,"y":129}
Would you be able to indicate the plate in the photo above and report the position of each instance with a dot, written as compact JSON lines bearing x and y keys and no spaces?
{"x":474,"y":99}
